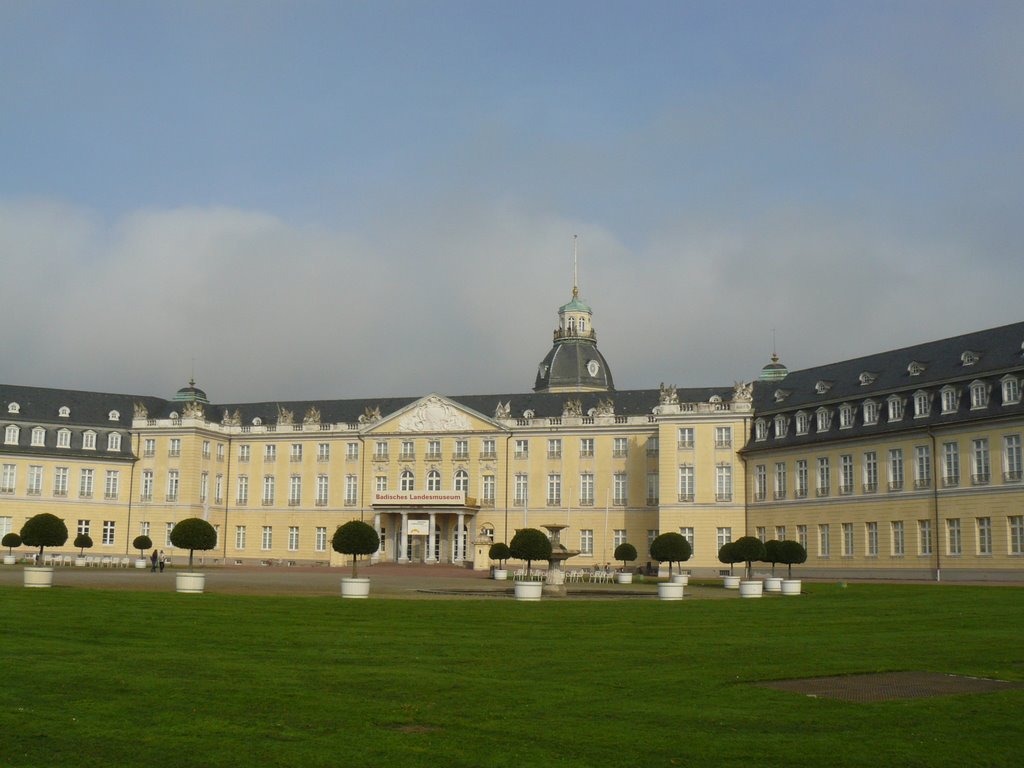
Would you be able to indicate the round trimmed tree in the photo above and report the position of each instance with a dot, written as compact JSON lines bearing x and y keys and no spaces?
{"x":625,"y":553}
{"x":727,"y":555}
{"x":771,"y":553}
{"x":83,"y":541}
{"x":499,"y":551}
{"x":44,"y":530}
{"x":748,"y":549}
{"x":530,"y":544}
{"x":671,"y":548}
{"x":11,"y":540}
{"x":193,"y":533}
{"x":792,"y":553}
{"x":142,"y":543}
{"x":355,"y":538}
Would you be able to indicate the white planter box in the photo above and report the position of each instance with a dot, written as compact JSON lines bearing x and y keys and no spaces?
{"x":751,"y":588}
{"x":9,"y":559}
{"x":141,"y":563}
{"x":191,"y":583}
{"x":623,"y":578}
{"x":791,"y":586}
{"x":731,"y":582}
{"x":773,"y":584}
{"x":37,"y":576}
{"x":681,"y":578}
{"x":529,"y":590}
{"x":81,"y":562}
{"x":500,"y":574}
{"x":668,"y":590}
{"x":358,"y":588}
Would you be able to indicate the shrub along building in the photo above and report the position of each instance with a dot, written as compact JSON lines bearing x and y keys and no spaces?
{"x":843,"y":457}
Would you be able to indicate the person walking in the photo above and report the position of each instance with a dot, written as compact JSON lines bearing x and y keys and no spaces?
{"x":163,"y":561}
{"x":153,"y":559}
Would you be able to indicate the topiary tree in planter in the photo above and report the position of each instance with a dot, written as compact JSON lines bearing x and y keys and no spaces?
{"x":671,"y":548}
{"x":727,"y":555}
{"x":355,"y":538}
{"x":626,"y":553}
{"x":771,"y":553}
{"x":11,"y":540}
{"x":193,"y":533}
{"x":748,"y":549}
{"x":142,"y":543}
{"x":792,"y":553}
{"x":499,"y":551}
{"x":83,"y":541}
{"x":530,"y":544}
{"x":44,"y":530}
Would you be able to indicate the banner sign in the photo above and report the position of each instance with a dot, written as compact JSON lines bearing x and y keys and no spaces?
{"x":420,"y":498}
{"x":418,"y":527}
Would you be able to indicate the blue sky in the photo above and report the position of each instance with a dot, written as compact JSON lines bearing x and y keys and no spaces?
{"x":345,"y":199}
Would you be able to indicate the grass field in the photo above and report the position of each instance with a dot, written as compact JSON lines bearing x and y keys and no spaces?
{"x":108,"y":678}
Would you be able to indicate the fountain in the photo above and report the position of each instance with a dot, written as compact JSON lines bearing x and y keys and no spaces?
{"x":554,"y":582}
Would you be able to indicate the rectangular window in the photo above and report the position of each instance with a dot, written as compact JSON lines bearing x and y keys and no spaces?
{"x":823,"y":540}
{"x":554,"y":490}
{"x":685,"y":437}
{"x":762,"y":533}
{"x":922,"y":466}
{"x":687,"y":533}
{"x":618,"y":537}
{"x":149,"y":447}
{"x":321,"y":539}
{"x":652,"y":446}
{"x":323,"y":451}
{"x":88,"y":439}
{"x":487,"y":484}
{"x":461,"y":450}
{"x":83,"y":527}
{"x":522,"y":449}
{"x":801,"y":478}
{"x":924,"y":537}
{"x":268,"y":490}
{"x":433,"y":450}
{"x":85,"y":483}
{"x":380,"y":451}
{"x":267,"y":540}
{"x":172,"y":485}
{"x":63,"y":438}
{"x":488,"y":449}
{"x":351,"y":451}
{"x":35,"y":480}
{"x":239,"y":537}
{"x":871,"y":536}
{"x":322,"y":490}
{"x":9,"y":477}
{"x":982,"y":469}
{"x":723,"y":536}
{"x":60,"y":481}
{"x":954,"y":544}
{"x":895,"y":469}
{"x":846,"y":474}
{"x":898,"y":542}
{"x":270,"y":452}
{"x":723,"y":482}
{"x":620,"y":447}
{"x":950,"y":465}
{"x":243,"y":490}
{"x":984,"y":535}
{"x":380,"y":483}
{"x":760,"y":482}
{"x":144,"y":528}
{"x":206,"y":449}
{"x":521,"y":489}
{"x":112,"y":484}
{"x":1012,"y":465}
{"x":147,"y":485}
{"x":1016,"y":534}
{"x":653,"y":491}
{"x":174,"y":448}
{"x":686,"y":482}
{"x":587,"y":447}
{"x":168,"y":527}
{"x":824,"y":483}
{"x":294,"y":491}
{"x":870,"y":472}
{"x":619,"y":489}
{"x":780,"y":480}
{"x":554,"y":448}
{"x":219,"y":489}
{"x":220,"y":451}
{"x":351,"y":490}
{"x":293,"y":538}
{"x":801,"y":536}
{"x":652,"y":534}
{"x":296,"y":452}
{"x":847,"y":539}
{"x":586,"y":489}
{"x":587,"y":541}
{"x":244,"y":453}
{"x":723,"y":437}
{"x":108,"y":532}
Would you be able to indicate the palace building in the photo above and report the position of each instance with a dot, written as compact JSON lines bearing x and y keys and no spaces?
{"x":905,"y":463}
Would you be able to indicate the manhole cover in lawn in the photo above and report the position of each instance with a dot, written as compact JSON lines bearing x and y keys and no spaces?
{"x":886,"y":686}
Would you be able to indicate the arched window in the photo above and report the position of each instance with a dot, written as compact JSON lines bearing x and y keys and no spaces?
{"x":408,"y":482}
{"x":803,"y":423}
{"x":433,"y":480}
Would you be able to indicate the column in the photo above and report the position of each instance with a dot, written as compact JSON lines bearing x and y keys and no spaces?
{"x":460,"y":542}
{"x":375,"y":557}
{"x":403,"y":540}
{"x":430,"y":539}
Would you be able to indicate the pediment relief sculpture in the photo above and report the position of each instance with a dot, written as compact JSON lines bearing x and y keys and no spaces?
{"x":434,"y":415}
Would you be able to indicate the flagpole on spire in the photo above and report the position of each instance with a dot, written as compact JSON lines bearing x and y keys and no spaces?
{"x":575,"y":282}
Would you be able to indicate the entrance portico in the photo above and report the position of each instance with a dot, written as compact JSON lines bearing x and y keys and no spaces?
{"x":423,"y":527}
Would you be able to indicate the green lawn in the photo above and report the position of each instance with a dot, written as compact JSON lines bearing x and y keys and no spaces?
{"x":105,"y":678}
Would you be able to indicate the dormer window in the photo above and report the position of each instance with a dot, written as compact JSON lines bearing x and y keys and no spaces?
{"x":1011,"y":390}
{"x":803,"y":422}
{"x":916,"y":368}
{"x":950,"y":399}
{"x":11,"y":434}
{"x":867,"y":378}
{"x":113,"y":416}
{"x":979,"y":394}
{"x":895,"y":403}
{"x":760,"y":429}
{"x":969,"y":358}
{"x":38,"y":437}
{"x":13,"y":408}
{"x":63,"y":438}
{"x":845,"y":416}
{"x":781,"y":425}
{"x":89,"y":440}
{"x":824,"y":416}
{"x":822,"y":387}
{"x":114,"y":441}
{"x":781,"y":394}
{"x":870,"y":412}
{"x":64,"y":412}
{"x":922,"y":404}
{"x":257,"y":421}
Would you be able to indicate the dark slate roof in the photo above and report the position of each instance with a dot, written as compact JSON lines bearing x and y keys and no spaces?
{"x":565,"y":365}
{"x":41,"y":405}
